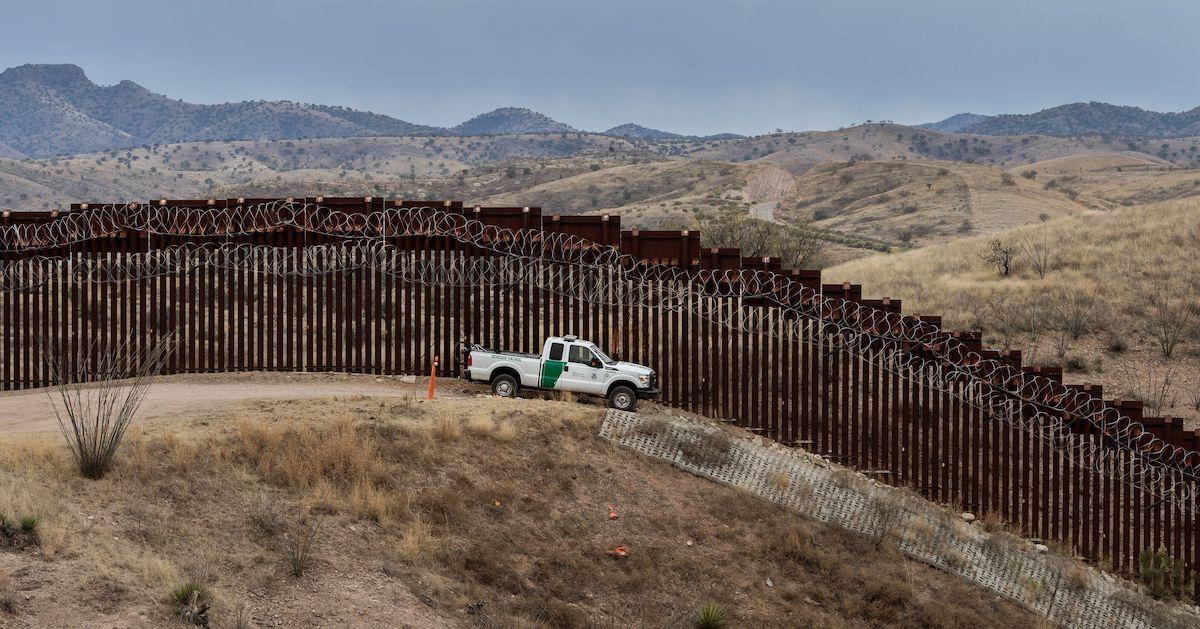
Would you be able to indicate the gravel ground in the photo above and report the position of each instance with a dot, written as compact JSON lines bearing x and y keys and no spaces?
{"x":172,"y":396}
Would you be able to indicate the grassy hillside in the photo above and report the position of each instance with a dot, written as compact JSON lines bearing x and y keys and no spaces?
{"x":920,"y":202}
{"x":460,"y":512}
{"x":351,"y":166}
{"x":1112,"y":281}
{"x":892,"y":142}
{"x":639,"y":190}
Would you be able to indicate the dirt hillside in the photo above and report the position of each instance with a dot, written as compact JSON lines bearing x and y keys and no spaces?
{"x":465,"y":511}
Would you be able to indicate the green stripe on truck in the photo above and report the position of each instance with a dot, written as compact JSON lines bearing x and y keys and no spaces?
{"x":551,"y":370}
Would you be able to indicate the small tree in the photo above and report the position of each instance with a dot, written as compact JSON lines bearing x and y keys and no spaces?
{"x":1042,"y":251}
{"x":797,"y":246}
{"x":1000,"y":254}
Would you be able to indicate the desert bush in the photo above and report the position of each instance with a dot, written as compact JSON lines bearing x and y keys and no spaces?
{"x":1073,"y":311}
{"x":1172,"y":313}
{"x":1153,"y":384}
{"x":99,"y":392}
{"x":300,"y":541}
{"x":710,"y":616}
{"x":1075,"y":364}
{"x":239,"y":618}
{"x":1165,"y":577}
{"x":1007,"y":179}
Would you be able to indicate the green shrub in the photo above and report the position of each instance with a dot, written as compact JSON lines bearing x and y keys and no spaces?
{"x":182,"y":595}
{"x":29,"y":523}
{"x":1164,"y":576}
{"x":192,"y":602}
{"x":710,"y":616}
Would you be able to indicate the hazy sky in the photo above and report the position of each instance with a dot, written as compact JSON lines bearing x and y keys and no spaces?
{"x":693,"y":66}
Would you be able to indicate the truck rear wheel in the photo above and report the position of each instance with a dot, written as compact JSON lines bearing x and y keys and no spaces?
{"x":623,"y":398}
{"x":505,"y":385}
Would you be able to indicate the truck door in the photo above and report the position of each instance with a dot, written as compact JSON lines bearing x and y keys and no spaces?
{"x":552,"y":366}
{"x":583,"y":373}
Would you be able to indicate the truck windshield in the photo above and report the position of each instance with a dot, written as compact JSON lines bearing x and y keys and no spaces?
{"x":602,"y":356}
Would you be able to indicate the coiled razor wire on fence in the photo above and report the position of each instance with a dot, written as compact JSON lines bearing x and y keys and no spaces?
{"x":1043,"y":405}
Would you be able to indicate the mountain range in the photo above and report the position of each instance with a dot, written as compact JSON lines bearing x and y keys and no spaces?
{"x":53,"y":110}
{"x":1078,"y":119}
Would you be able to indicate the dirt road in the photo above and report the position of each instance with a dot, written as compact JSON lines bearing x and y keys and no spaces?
{"x":170,"y":397}
{"x":764,"y":211}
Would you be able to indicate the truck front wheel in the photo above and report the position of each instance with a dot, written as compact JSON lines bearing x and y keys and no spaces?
{"x":623,"y":398}
{"x":505,"y":385}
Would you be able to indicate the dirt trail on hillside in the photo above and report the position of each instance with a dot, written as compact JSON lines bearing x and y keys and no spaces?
{"x":174,"y":396}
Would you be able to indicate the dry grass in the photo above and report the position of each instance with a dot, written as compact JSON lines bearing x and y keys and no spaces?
{"x":707,"y":449}
{"x":505,"y":525}
{"x":780,"y":480}
{"x":1119,"y":252}
{"x":447,"y":428}
{"x":1113,"y":260}
{"x":8,"y":594}
{"x":992,"y":522}
{"x":415,"y":540}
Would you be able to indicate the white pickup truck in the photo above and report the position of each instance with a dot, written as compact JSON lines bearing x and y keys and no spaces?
{"x":565,"y":364}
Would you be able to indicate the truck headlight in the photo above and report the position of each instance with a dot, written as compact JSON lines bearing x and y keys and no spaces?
{"x":645,"y":380}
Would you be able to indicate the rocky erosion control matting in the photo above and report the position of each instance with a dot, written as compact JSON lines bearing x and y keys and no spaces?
{"x":1063,"y":590}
